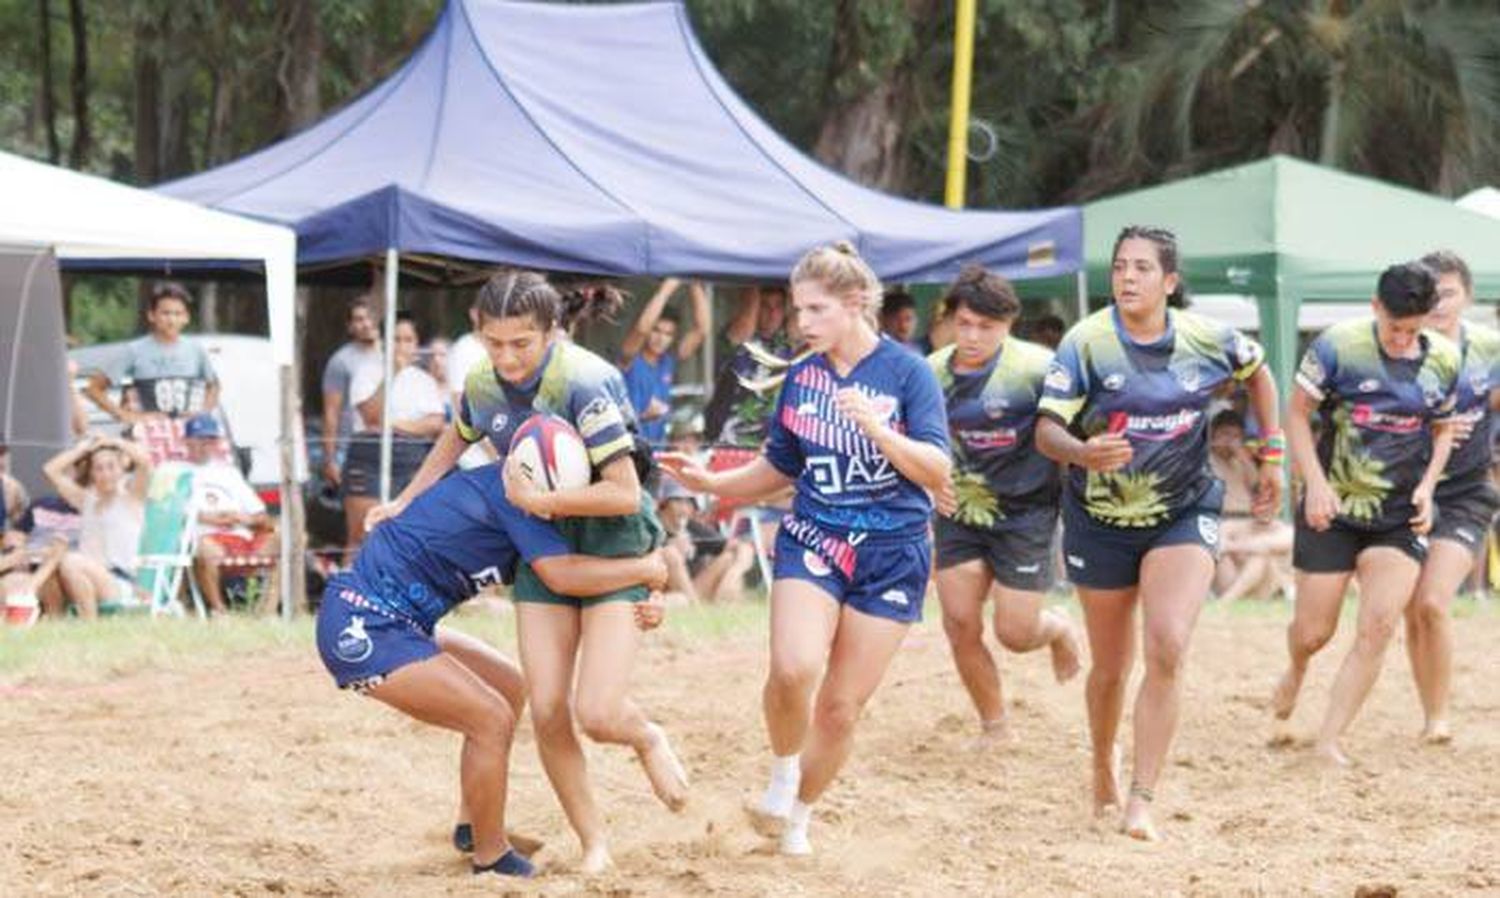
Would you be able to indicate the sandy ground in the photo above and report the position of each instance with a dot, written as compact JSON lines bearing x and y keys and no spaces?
{"x":260,"y":779}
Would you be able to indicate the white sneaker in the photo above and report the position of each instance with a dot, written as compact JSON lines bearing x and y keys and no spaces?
{"x":794,"y":842}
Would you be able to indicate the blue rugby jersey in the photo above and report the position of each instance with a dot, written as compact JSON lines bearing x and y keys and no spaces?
{"x":1479,"y":373}
{"x":455,"y":538}
{"x":571,"y":383}
{"x":1376,"y":414}
{"x":844,"y":483}
{"x":644,"y":382}
{"x":1155,"y":395}
{"x":997,"y":473}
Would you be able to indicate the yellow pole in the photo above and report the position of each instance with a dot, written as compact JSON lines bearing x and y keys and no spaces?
{"x":958,"y":123}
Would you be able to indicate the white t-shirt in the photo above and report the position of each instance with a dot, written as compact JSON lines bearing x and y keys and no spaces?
{"x":416,"y":394}
{"x":338,"y":376}
{"x":111,"y":531}
{"x":463,"y":356}
{"x":220,"y":488}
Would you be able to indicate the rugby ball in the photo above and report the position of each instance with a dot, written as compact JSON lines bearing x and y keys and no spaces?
{"x":549,"y":451}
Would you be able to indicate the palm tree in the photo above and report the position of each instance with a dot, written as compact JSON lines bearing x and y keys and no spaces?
{"x":1404,"y":90}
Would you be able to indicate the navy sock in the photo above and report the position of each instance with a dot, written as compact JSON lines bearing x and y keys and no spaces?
{"x":463,"y":838}
{"x":510,"y":864}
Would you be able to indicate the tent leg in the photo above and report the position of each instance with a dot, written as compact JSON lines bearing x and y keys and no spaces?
{"x":293,"y":517}
{"x":392,"y":271}
{"x":1082,"y":279}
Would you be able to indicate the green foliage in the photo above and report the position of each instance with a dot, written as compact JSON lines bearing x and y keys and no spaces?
{"x":102,"y":309}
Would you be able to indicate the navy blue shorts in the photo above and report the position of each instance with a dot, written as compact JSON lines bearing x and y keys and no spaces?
{"x":1466,"y":510}
{"x":885,"y":578}
{"x":360,"y":645}
{"x":1101,"y":556}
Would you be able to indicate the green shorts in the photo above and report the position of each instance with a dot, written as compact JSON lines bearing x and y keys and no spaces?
{"x":627,"y":536}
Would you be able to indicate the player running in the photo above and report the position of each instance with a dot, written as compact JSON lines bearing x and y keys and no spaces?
{"x":1384,"y":391}
{"x":533,"y":367}
{"x":859,"y":429}
{"x":1125,"y":406}
{"x":999,"y":514}
{"x":1466,"y":499}
{"x":377,"y":630}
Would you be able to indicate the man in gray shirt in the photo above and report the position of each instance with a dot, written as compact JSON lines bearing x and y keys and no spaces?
{"x":169,"y":373}
{"x":362,"y":349}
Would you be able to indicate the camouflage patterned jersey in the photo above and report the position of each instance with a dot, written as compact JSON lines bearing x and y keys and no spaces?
{"x":1156,"y":396}
{"x":1376,"y":414}
{"x":1479,"y":373}
{"x":997,"y":473}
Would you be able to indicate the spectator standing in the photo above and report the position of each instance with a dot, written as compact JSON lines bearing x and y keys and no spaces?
{"x":435,"y":362}
{"x":416,"y":420}
{"x":106,"y":479}
{"x":361,"y":351}
{"x":898,"y":320}
{"x":648,"y":359}
{"x":745,"y":389}
{"x":466,"y":353}
{"x":232,"y":519}
{"x":169,"y":374}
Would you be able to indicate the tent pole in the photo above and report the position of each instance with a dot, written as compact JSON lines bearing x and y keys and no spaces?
{"x":1082,"y":278}
{"x":708,"y":346}
{"x":293,"y":517}
{"x":392,"y":271}
{"x":958,"y":123}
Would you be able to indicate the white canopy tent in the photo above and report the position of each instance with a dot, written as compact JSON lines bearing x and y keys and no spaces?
{"x":85,"y":218}
{"x":1485,"y":201}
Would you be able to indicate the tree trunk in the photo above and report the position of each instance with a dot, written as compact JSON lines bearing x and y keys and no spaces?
{"x":300,"y":72}
{"x":83,"y":137}
{"x":147,"y":101}
{"x":864,"y":135}
{"x":49,"y":108}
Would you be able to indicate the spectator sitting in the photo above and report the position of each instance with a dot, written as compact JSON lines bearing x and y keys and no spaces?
{"x":1255,"y":556}
{"x":112,"y":478}
{"x":32,"y":568}
{"x":13,"y":501}
{"x":416,"y":420}
{"x":232,"y":519}
{"x":170,"y":374}
{"x":649,"y":361}
{"x":702,"y":563}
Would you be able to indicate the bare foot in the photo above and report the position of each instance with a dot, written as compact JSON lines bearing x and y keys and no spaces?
{"x":1064,"y":648}
{"x":993,"y":734}
{"x":1437,"y":732}
{"x":1107,"y":786}
{"x":596,"y":859}
{"x":1284,"y":699}
{"x":668,"y":779}
{"x":1137,"y":821}
{"x":1282,"y":734}
{"x":1331,"y":753}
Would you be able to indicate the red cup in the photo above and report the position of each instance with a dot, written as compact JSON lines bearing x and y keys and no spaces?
{"x":21,"y":611}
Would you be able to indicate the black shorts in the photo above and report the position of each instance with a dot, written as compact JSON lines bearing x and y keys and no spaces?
{"x":1337,"y":549}
{"x":361,"y":471}
{"x":1466,"y":509}
{"x":1102,"y":556}
{"x":1019,"y":557}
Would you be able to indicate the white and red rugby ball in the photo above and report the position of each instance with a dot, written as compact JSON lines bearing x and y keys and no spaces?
{"x":549,"y":451}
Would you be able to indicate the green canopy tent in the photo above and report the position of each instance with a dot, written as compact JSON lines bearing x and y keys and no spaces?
{"x":1284,"y":231}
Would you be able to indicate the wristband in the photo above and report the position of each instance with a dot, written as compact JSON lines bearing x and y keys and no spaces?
{"x":1272,"y":447}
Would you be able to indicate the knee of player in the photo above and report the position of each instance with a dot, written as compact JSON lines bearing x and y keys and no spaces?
{"x":1427,"y":608}
{"x":598,"y":720}
{"x":791,"y":675}
{"x":1310,"y":637}
{"x":494,"y":722}
{"x":964,"y":629}
{"x":1375,"y":633}
{"x":1016,"y":635}
{"x":551,"y":717}
{"x":838,"y":714}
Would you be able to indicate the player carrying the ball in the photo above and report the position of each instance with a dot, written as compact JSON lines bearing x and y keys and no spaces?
{"x":377,"y":630}
{"x":532,"y":367}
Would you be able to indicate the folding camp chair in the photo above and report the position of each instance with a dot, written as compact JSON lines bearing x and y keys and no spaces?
{"x":168,"y":539}
{"x":730,"y":513}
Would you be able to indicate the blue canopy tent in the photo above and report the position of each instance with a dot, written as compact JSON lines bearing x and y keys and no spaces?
{"x":595,"y":139}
